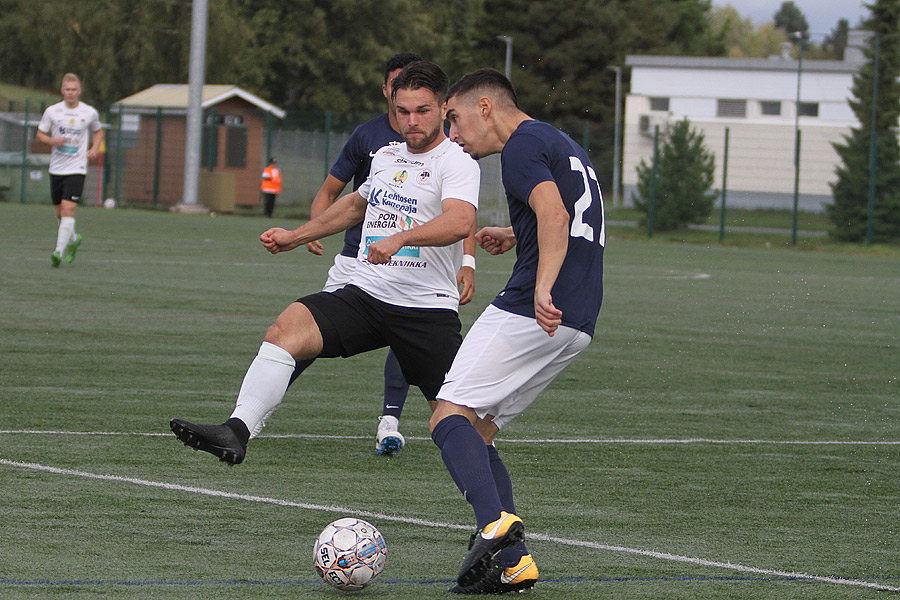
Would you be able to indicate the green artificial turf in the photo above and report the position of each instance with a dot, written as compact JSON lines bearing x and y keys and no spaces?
{"x":733,"y":425}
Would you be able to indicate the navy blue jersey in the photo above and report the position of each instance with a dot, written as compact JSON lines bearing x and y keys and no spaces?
{"x":537,"y":152}
{"x":355,"y":160}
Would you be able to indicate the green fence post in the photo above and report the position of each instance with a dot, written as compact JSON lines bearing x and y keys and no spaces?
{"x":651,"y":216}
{"x":157,"y":155}
{"x":24,"y":153}
{"x":796,"y":189}
{"x":873,"y":145}
{"x":269,"y":126}
{"x":213,"y":139}
{"x":724,"y":188}
{"x":106,"y":171}
{"x":327,"y":141}
{"x":117,"y":187}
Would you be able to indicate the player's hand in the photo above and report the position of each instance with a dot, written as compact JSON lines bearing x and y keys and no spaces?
{"x":381,"y":252}
{"x":495,"y":240}
{"x":57,"y":141}
{"x":278,"y":240}
{"x":92,"y":153}
{"x":315,"y":248}
{"x":465,"y":280}
{"x":548,"y":316}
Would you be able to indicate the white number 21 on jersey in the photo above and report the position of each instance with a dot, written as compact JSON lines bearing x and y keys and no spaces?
{"x":579,"y":227}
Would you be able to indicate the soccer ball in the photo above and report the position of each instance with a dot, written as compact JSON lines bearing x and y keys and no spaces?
{"x":349,"y":553}
{"x":109,"y":203}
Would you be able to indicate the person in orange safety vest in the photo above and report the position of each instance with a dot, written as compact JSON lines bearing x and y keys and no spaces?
{"x":271,"y":186}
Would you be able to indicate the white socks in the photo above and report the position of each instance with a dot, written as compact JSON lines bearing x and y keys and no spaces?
{"x":66,"y":234}
{"x":264,"y":386}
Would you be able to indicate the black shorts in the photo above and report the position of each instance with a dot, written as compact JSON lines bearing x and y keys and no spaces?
{"x":425,"y":340}
{"x":66,"y":187}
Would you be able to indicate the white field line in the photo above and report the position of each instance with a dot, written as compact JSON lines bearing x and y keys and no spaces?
{"x":443,"y":525}
{"x":660,"y":441}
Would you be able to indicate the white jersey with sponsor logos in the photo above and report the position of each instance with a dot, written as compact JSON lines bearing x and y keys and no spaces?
{"x":77,"y":125}
{"x":406,"y":190}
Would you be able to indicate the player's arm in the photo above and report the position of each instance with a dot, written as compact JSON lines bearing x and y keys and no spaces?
{"x":325,"y":197}
{"x":96,"y":140}
{"x":56,"y":142}
{"x":455,"y":223}
{"x":553,"y":241}
{"x":496,"y":240}
{"x":348,"y":210}
{"x":465,"y":278}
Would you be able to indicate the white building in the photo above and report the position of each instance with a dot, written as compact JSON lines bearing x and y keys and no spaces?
{"x":756,"y":99}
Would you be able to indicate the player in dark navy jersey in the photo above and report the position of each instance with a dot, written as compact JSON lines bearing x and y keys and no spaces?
{"x":538,"y":324}
{"x":353,"y":163}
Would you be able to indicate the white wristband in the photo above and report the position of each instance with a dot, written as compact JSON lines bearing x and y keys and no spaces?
{"x":468,"y":261}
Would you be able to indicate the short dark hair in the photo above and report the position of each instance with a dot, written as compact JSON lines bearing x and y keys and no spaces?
{"x":398,"y":61}
{"x":422,"y":74}
{"x":484,"y":79}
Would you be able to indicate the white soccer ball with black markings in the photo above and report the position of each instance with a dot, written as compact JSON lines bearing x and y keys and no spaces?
{"x":349,"y":553}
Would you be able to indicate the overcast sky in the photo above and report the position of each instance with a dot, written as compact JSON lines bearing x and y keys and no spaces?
{"x":822,"y":15}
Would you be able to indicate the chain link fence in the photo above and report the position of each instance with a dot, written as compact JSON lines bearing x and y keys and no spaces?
{"x":143,"y":162}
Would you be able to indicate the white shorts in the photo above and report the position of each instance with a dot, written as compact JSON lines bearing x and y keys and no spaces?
{"x":339,"y":274}
{"x":505,"y":361}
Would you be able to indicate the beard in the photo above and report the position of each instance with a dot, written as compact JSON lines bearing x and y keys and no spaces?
{"x":423,"y":139}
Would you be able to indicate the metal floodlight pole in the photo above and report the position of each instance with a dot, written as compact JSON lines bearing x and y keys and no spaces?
{"x":199,"y":14}
{"x":799,"y":37}
{"x":616,"y":135}
{"x":508,"y":40}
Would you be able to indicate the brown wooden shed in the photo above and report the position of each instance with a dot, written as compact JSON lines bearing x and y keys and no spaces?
{"x":154,"y":127}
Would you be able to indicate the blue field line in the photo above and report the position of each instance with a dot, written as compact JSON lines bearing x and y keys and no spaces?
{"x":542,"y":582}
{"x":567,"y":441}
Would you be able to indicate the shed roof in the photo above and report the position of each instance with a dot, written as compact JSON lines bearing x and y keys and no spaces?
{"x":174,"y":96}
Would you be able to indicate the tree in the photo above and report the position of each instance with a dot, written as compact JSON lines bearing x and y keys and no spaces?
{"x":740,"y":38}
{"x":329,"y":54}
{"x":116,"y":46}
{"x":790,"y":18}
{"x":684,"y":180}
{"x":560,"y":62}
{"x":836,"y":42}
{"x":849,"y":212}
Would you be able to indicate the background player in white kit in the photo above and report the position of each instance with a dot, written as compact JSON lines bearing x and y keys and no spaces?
{"x":67,"y":126}
{"x":418,"y":205}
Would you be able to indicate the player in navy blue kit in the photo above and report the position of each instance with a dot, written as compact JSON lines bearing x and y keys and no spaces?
{"x":536,"y":326}
{"x":353,"y":163}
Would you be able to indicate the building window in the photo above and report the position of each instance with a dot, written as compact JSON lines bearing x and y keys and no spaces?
{"x":731,"y":108}
{"x":772,"y":109}
{"x":659,"y":104}
{"x":808,"y":109}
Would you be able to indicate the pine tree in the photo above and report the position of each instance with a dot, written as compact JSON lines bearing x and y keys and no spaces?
{"x":684,"y":180}
{"x":849,"y":213}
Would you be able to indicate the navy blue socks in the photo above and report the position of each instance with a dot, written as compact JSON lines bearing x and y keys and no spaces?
{"x":395,"y":387}
{"x":466,"y":457}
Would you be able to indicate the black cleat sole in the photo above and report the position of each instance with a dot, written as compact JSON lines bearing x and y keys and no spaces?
{"x":185,"y":432}
{"x":478,"y":562}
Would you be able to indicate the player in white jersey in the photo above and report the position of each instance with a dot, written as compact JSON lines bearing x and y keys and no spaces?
{"x":67,"y":126}
{"x":417,"y":206}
